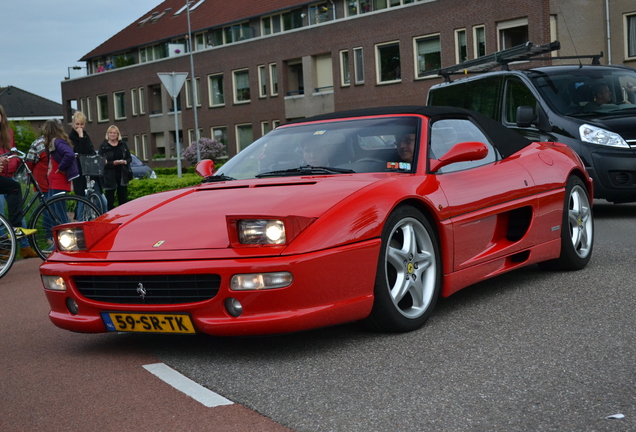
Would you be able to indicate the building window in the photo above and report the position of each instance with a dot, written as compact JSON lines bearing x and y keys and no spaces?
{"x":241,"y":81}
{"x":142,"y":101}
{"x":237,"y":32}
{"x":137,"y":144}
{"x":200,"y":42}
{"x":479,"y":39}
{"x":192,"y":138}
{"x":215,"y":87}
{"x":144,"y":147}
{"x":460,"y":46}
{"x":197,"y":89}
{"x":219,"y":134}
{"x":134,"y":101}
{"x":88,"y":112}
{"x":295,"y":80}
{"x":271,"y":24}
{"x":120,"y":105}
{"x":102,"y":108}
{"x":275,"y":124}
{"x":273,"y":79}
{"x":324,"y":73}
{"x":356,"y":7}
{"x":428,"y":54}
{"x":319,"y":13}
{"x":264,"y":128}
{"x":292,"y":20}
{"x":387,"y":63}
{"x":358,"y":65}
{"x":262,"y":82}
{"x":345,"y":74}
{"x":630,"y":34}
{"x":512,"y":33}
{"x":216,"y":37}
{"x":244,"y":136}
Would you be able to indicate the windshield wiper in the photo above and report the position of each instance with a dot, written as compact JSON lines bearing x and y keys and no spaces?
{"x":217,"y":178}
{"x":306,"y":169}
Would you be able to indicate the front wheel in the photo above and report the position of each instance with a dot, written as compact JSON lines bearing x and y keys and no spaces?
{"x":409,"y":276}
{"x":577,"y":229}
{"x":8,"y":246}
{"x":58,"y":210}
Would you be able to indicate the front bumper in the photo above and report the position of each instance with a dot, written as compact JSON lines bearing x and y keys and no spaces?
{"x":330,"y":287}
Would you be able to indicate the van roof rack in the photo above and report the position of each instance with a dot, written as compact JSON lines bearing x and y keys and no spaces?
{"x":525,"y":52}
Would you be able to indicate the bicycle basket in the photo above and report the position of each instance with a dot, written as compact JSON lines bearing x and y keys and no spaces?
{"x":92,"y":165}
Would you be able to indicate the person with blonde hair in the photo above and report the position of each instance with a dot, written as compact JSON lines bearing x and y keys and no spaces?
{"x":117,"y":172}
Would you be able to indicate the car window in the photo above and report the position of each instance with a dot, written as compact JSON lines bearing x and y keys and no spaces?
{"x":448,"y":132}
{"x":517,"y":94}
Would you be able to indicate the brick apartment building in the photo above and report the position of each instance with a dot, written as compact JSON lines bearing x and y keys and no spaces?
{"x":261,"y":64}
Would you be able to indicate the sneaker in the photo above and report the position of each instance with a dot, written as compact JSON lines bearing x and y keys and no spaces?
{"x":27,"y":252}
{"x":23,"y":232}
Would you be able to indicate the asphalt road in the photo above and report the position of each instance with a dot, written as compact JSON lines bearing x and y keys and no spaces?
{"x":528,"y":351}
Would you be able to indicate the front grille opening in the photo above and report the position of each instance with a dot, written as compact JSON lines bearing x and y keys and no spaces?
{"x":149,"y":289}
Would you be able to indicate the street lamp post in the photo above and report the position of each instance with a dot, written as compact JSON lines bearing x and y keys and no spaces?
{"x":192,"y":87}
{"x":74,"y":68}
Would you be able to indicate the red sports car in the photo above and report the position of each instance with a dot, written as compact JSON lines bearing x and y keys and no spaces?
{"x":366,"y":215}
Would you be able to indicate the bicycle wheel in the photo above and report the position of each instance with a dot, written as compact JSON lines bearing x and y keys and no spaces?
{"x":96,"y":199}
{"x":57,"y":210}
{"x":8,"y":247}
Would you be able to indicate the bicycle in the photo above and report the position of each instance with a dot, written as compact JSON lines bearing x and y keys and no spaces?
{"x":52,"y":211}
{"x":93,"y":166}
{"x":8,"y":246}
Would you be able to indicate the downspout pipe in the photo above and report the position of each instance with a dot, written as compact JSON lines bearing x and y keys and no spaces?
{"x":609,"y":34}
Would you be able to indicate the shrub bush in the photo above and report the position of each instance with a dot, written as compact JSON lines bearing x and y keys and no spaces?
{"x":208,"y":148}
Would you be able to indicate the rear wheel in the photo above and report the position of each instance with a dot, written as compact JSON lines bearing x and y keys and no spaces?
{"x":409,"y":277}
{"x":577,"y":229}
{"x":59,"y":210}
{"x":8,"y":247}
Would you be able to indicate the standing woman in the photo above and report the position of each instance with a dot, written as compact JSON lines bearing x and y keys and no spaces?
{"x":13,"y":199}
{"x":117,"y":172}
{"x":63,"y":167}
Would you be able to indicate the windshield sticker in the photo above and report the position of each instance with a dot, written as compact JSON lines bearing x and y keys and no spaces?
{"x":398,"y":165}
{"x":320,"y":132}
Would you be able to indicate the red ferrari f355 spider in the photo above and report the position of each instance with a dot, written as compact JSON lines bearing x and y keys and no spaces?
{"x":367,"y":215}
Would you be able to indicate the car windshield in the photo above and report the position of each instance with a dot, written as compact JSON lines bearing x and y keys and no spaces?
{"x":328,"y":148}
{"x":589,"y":91}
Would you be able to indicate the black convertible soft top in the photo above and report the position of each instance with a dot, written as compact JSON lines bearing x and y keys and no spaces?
{"x":507,"y":141}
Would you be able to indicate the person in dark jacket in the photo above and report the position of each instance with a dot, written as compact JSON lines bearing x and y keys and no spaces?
{"x":117,"y":172}
{"x":83,"y":146}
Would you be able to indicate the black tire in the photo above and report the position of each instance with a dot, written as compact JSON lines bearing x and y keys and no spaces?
{"x":59,"y":210}
{"x":577,"y":229}
{"x":8,"y":246}
{"x":409,"y":275}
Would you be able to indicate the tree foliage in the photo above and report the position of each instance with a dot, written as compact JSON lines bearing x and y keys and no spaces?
{"x":23,"y":134}
{"x":209,"y":149}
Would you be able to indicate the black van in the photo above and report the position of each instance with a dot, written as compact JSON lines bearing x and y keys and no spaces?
{"x":569,"y":104}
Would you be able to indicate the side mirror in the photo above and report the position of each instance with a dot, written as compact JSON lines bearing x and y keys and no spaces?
{"x":525,"y":116}
{"x":205,"y":168}
{"x":461,"y":152}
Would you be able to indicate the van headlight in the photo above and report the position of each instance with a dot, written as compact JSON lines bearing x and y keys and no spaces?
{"x":596,"y":135}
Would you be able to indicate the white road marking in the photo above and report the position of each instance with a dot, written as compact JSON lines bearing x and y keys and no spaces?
{"x":186,"y":385}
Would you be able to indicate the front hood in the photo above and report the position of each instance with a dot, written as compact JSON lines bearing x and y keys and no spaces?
{"x":195,"y":218}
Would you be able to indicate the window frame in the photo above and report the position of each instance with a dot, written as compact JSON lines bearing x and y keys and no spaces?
{"x":101,"y":117}
{"x":235,"y":89}
{"x":197,"y":93}
{"x":262,"y":82}
{"x":629,"y":23}
{"x":378,"y":62}
{"x":476,"y":53}
{"x":211,"y":103}
{"x":503,"y":26}
{"x":119,"y":105}
{"x":458,"y":45}
{"x":134,"y":102}
{"x":345,"y":68}
{"x":237,"y":135}
{"x":358,"y":65}
{"x":273,"y":79}
{"x":416,"y":55}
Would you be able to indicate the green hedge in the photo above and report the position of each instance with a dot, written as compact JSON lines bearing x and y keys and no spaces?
{"x":143,"y":187}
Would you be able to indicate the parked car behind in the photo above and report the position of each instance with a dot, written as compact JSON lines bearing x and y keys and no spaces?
{"x":141,"y":170}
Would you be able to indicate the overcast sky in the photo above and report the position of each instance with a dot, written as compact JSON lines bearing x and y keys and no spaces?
{"x":41,"y":39}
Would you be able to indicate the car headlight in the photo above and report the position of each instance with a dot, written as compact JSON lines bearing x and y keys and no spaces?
{"x":71,"y":239}
{"x":261,"y":231}
{"x":596,"y":135}
{"x":260,"y":281}
{"x":55,"y":283}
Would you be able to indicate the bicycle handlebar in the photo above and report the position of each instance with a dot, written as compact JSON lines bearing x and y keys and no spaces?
{"x":13,"y":153}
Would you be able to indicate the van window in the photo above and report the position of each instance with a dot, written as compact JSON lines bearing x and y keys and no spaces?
{"x":446,"y":133}
{"x":517,"y":94}
{"x":477,"y":95}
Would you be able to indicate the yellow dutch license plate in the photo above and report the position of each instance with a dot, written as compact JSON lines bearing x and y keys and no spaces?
{"x":148,"y":323}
